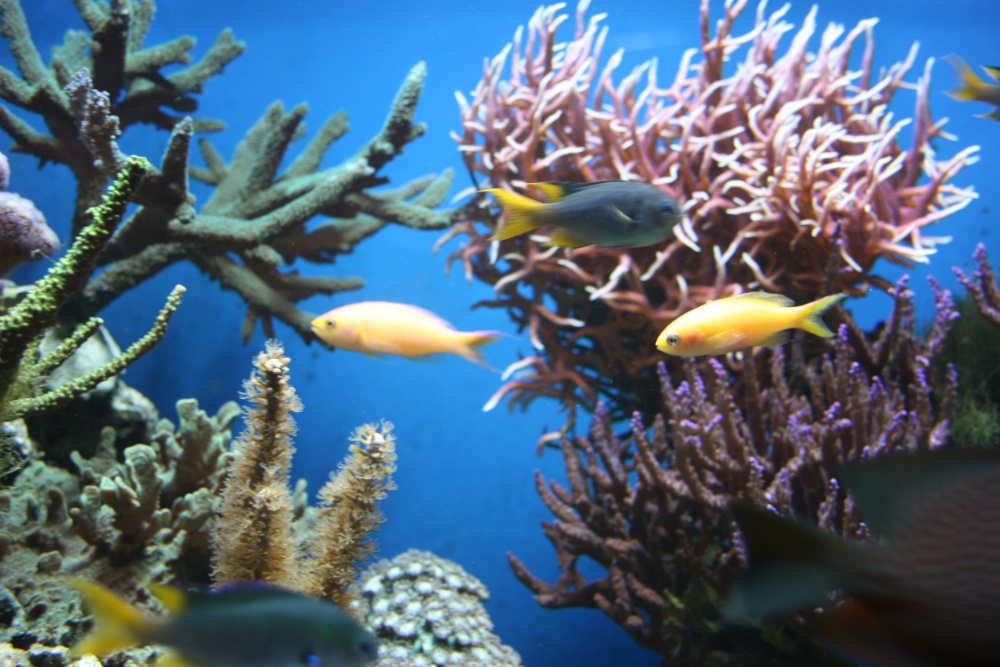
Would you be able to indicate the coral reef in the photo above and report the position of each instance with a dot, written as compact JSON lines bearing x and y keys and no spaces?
{"x":255,"y":539}
{"x":100,"y":84}
{"x":23,"y":368}
{"x":188,"y":506}
{"x":794,"y":177}
{"x":976,"y":335}
{"x":649,"y":506}
{"x":124,"y":521}
{"x":426,"y":612}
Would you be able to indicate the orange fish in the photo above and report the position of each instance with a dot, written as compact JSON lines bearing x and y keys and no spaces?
{"x":382,"y":327}
{"x":926,"y":593}
{"x":741,"y":321}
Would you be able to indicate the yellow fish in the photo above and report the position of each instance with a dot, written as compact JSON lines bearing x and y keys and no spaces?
{"x":382,"y":327}
{"x":746,"y":320}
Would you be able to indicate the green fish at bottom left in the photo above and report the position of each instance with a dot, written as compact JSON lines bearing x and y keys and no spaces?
{"x":245,"y":625}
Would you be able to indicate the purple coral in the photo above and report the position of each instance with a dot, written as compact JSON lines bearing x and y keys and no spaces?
{"x":24,"y":234}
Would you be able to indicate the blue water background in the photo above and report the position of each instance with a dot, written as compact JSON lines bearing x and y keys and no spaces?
{"x":465,"y":478}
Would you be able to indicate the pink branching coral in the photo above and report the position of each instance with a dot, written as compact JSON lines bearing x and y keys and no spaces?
{"x":792,"y":169}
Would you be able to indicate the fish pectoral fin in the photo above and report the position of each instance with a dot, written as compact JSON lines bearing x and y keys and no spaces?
{"x":774,"y":340}
{"x":564,"y":239}
{"x":726,"y":340}
{"x":619,"y":215}
{"x":172,"y":659}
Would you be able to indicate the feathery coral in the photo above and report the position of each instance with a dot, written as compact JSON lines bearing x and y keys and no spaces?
{"x":253,"y":538}
{"x":349,"y":512}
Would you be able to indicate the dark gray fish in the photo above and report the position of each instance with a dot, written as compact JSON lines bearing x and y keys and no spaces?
{"x":616,"y":214}
{"x":241,"y":626}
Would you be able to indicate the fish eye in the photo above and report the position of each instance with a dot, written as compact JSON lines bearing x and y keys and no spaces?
{"x":311,"y":660}
{"x":366,"y":647}
{"x":673,"y":340}
{"x":669,"y":208}
{"x":331,"y":324}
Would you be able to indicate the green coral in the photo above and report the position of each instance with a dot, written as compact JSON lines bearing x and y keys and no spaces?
{"x":975,"y":414}
{"x":22,"y":368}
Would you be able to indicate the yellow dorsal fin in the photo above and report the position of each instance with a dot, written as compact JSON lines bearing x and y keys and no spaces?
{"x":172,"y":598}
{"x":552,"y":191}
{"x":776,"y":299}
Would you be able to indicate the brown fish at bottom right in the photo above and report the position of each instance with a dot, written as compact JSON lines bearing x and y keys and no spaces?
{"x":925,"y":593}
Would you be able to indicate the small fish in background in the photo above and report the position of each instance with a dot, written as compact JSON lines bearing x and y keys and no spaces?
{"x":971,"y":87}
{"x":746,"y":320}
{"x":382,"y":327}
{"x":926,"y":593}
{"x":615,"y":214}
{"x":246,"y":625}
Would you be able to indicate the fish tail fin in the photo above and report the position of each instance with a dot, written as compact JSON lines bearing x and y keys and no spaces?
{"x":792,"y":564}
{"x":472,"y":341}
{"x":521,"y":214}
{"x":970,"y":86}
{"x":117,"y":623}
{"x":812,"y":319}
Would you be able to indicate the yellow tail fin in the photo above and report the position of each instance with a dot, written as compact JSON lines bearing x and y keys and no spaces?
{"x":522,"y":214}
{"x":471,"y":341}
{"x":117,"y":624}
{"x":969,"y":85}
{"x":812,"y":318}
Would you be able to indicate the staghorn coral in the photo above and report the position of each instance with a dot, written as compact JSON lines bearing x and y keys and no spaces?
{"x":649,"y":506}
{"x":98,"y":85}
{"x":794,"y":175}
{"x":427,"y":611}
{"x":23,"y":368}
{"x":255,"y":538}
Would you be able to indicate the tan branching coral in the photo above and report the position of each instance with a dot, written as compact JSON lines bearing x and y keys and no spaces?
{"x":253,"y":538}
{"x":256,"y":535}
{"x":349,"y":512}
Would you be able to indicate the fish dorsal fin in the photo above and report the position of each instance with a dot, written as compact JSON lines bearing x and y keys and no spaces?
{"x":556,"y":190}
{"x":553,"y":191}
{"x":993,"y":71}
{"x":172,"y":598}
{"x":620,"y":215}
{"x":776,"y":299}
{"x":886,"y":489}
